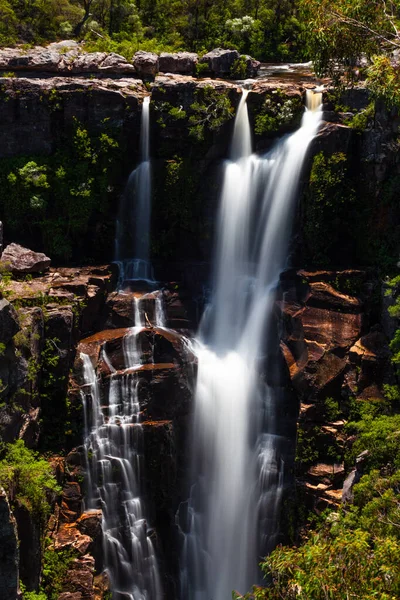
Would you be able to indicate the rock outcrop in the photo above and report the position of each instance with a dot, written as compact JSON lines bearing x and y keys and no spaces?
{"x":20,"y":260}
{"x":68,"y":57}
{"x":220,"y":61}
{"x":183,"y":63}
{"x":9,"y":582}
{"x":146,"y":64}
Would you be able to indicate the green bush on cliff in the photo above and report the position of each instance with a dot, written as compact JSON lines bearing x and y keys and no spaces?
{"x":330,"y":201}
{"x":210,"y":111}
{"x":276,"y":112}
{"x":54,"y":199}
{"x":28,"y":479}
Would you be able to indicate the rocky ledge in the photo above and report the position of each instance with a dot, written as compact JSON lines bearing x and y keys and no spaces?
{"x":68,"y":57}
{"x":335,"y":354}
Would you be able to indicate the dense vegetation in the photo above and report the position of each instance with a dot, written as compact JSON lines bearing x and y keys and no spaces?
{"x":264,"y":28}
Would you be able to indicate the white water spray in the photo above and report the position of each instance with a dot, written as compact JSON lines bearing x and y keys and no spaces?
{"x":237,"y":464}
{"x":135,"y":212}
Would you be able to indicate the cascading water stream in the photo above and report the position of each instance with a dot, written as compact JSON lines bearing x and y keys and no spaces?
{"x":114,"y":455}
{"x":238,"y":467}
{"x":135,"y":212}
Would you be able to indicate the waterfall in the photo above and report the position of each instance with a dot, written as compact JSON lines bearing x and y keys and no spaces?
{"x":238,"y":458}
{"x":114,"y":456}
{"x":135,"y":212}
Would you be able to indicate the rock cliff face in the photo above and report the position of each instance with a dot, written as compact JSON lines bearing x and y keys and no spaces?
{"x":336,"y":353}
{"x":9,"y":581}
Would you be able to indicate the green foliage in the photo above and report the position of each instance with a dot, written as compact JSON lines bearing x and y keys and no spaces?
{"x":55,"y":569}
{"x":393,"y":290}
{"x":384,"y":81}
{"x":266,"y":30}
{"x":329,"y":202}
{"x":338,"y":32}
{"x":277,"y":112}
{"x":313,"y":444}
{"x":239,"y":68}
{"x":362,"y":119}
{"x":380,"y":435}
{"x":54,"y":199}
{"x":210,"y":111}
{"x":353,"y":553}
{"x":28,"y":478}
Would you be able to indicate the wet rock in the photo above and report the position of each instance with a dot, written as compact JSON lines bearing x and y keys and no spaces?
{"x":120,"y":310}
{"x":161,"y":474}
{"x":20,"y":260}
{"x":179,"y":62}
{"x":89,"y":523}
{"x":220,"y":61}
{"x":108,"y":348}
{"x":8,"y":551}
{"x":146,"y":64}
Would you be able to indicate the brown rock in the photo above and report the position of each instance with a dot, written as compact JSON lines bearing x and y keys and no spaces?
{"x":69,"y":536}
{"x":330,"y":328}
{"x":89,"y":523}
{"x":21,"y":260}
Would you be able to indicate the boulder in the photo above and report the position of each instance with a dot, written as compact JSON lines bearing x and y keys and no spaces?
{"x":146,"y":64}
{"x":115,"y":63}
{"x":179,"y":62}
{"x":220,"y":61}
{"x":88,"y":63}
{"x":21,"y":260}
{"x":37,"y":59}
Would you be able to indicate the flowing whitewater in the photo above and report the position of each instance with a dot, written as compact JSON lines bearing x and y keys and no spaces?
{"x":135,"y":212}
{"x":238,"y":458}
{"x":115,"y":465}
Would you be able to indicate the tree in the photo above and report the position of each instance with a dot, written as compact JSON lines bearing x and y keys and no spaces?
{"x":340,"y":31}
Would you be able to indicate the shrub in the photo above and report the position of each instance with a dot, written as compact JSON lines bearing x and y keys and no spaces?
{"x":28,"y":479}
